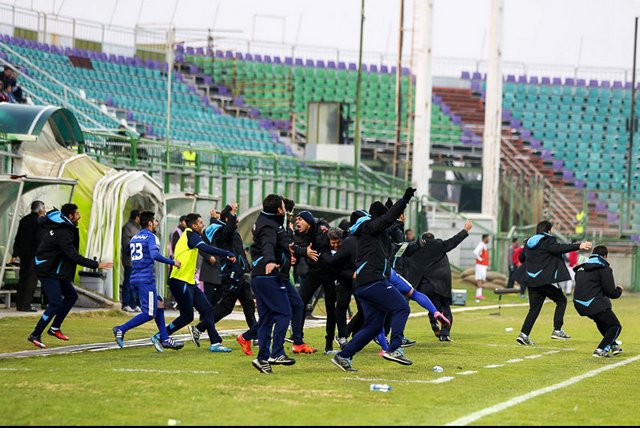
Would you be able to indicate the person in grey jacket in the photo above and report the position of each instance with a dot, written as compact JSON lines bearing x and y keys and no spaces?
{"x":594,"y":287}
{"x":129,"y":230}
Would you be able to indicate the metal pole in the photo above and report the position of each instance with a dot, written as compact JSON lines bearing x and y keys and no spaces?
{"x":409,"y":99}
{"x":170,"y":41}
{"x":358,"y":109}
{"x":631,"y":123}
{"x":396,"y":139}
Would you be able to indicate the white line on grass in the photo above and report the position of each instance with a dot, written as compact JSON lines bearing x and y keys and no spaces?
{"x":515,"y":360}
{"x":12,"y":369}
{"x":493,"y":366}
{"x":533,"y":357}
{"x":468,"y":372}
{"x":466,"y":420}
{"x":166,"y":371}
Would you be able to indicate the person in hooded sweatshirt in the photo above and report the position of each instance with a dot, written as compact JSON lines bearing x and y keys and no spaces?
{"x":542,"y":269}
{"x":56,"y":260}
{"x":593,"y":289}
{"x":372,"y":287}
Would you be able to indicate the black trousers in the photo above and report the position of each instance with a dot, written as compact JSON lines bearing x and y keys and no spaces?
{"x":511,"y":280}
{"x":609,"y":327}
{"x":223,"y":302}
{"x":311,"y":282}
{"x":27,"y":283}
{"x":357,"y":320}
{"x":536,"y":299}
{"x":344,"y":290}
{"x":443,"y":305}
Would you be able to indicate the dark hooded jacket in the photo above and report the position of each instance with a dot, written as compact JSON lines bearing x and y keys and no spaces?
{"x":542,"y":261}
{"x":315,"y":237}
{"x":266,"y":247}
{"x":594,"y":286}
{"x":430,"y":270}
{"x":374,"y":243}
{"x":343,"y":262}
{"x":57,"y":255}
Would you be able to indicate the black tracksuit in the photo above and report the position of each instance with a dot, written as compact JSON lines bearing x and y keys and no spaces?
{"x":56,"y":261}
{"x":25,"y":246}
{"x":319,"y":275}
{"x":542,"y":267}
{"x":430,"y":272}
{"x":343,"y":264}
{"x":593,"y":289}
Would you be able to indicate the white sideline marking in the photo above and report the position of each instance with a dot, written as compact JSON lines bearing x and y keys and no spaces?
{"x":466,"y":420}
{"x":12,"y":369}
{"x":468,"y":372}
{"x":493,"y":366}
{"x":166,"y":371}
{"x":532,"y":357}
{"x":448,"y":378}
{"x":550,"y":352}
{"x":515,"y":360}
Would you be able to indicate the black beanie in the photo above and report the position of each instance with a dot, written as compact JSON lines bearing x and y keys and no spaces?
{"x":377,"y":209}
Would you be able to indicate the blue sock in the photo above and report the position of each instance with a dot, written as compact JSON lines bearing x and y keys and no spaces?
{"x":135,"y":322}
{"x":382,"y":339}
{"x":162,"y":328}
{"x":423,"y":301}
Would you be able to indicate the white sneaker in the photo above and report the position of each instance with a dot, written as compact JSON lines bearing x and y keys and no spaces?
{"x":137,"y":309}
{"x":127,"y":309}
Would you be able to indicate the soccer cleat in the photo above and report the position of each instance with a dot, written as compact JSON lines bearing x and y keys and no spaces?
{"x":37,"y":341}
{"x":57,"y":334}
{"x":616,"y":349}
{"x":343,"y":363}
{"x":195,"y":335}
{"x":523,"y":339}
{"x":342,"y":341}
{"x":397,"y":356}
{"x":303,"y":349}
{"x":601,"y":353}
{"x":218,"y":347}
{"x":262,"y":366}
{"x":173,"y":344}
{"x":445,"y":338}
{"x":560,"y":334}
{"x":435,"y":326}
{"x":155,"y":339}
{"x":406,"y":342}
{"x":119,"y":336}
{"x":282,"y":360}
{"x":244,"y":344}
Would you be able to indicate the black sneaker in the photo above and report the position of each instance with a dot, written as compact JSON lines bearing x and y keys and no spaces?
{"x":342,"y":341}
{"x":406,"y":342}
{"x":282,"y":360}
{"x":560,"y":335}
{"x":397,"y":356}
{"x":435,"y":326}
{"x":195,"y":335}
{"x":601,"y":353}
{"x":37,"y":341}
{"x":616,"y":349}
{"x":445,"y":338}
{"x":262,"y":366}
{"x":343,"y":363}
{"x":173,"y":344}
{"x":523,"y":339}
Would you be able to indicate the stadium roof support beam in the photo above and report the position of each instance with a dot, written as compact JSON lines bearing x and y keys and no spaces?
{"x":424,"y":81}
{"x":493,"y":115}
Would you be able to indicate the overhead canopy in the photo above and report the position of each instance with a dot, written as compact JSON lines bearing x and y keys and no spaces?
{"x":25,"y":120}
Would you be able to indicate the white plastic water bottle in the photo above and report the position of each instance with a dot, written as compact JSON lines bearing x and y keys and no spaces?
{"x":380,"y":387}
{"x":438,"y":369}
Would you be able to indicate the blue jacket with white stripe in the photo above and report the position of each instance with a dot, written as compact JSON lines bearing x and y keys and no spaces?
{"x":542,"y":261}
{"x":594,"y":286}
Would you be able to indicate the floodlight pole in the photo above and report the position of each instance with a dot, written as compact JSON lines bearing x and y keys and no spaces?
{"x":356,"y":165}
{"x":632,"y":123}
{"x":170,"y":43}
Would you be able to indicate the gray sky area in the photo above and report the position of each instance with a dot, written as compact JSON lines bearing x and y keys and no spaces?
{"x":555,"y":32}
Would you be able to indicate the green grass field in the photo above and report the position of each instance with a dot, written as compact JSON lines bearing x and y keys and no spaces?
{"x":137,"y":386}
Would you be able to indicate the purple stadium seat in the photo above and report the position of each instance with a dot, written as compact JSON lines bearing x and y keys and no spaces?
{"x":121,"y":60}
{"x":546,"y":154}
{"x":238,"y":55}
{"x":129,"y":116}
{"x":581,"y":82}
{"x":557,"y":164}
{"x":567,"y":175}
{"x":475,"y":86}
{"x":384,"y":69}
{"x":445,"y":109}
{"x":200,"y":51}
{"x":320,"y":63}
{"x":209,"y":52}
{"x":465,"y":139}
{"x":219,"y":54}
{"x":569,"y":81}
{"x":353,"y":66}
{"x":524,"y":132}
{"x":248,"y":57}
{"x":113,"y":58}
{"x":534,"y":80}
{"x":299,"y":62}
{"x":189,"y":50}
{"x":288,"y":60}
{"x":254,"y":112}
{"x":277,"y":60}
{"x":465,"y":75}
{"x":605,"y":84}
{"x":580,"y":184}
{"x":3,"y":55}
{"x":628,"y":85}
{"x":365,"y":67}
{"x":373,"y":68}
{"x":591,"y":196}
{"x":522,"y":79}
{"x":104,"y":57}
{"x":593,"y":83}
{"x":193,"y":69}
{"x":506,"y":115}
{"x":46,"y":47}
{"x":612,"y":217}
{"x":437,"y":99}
{"x":239,"y":101}
{"x":223,"y":90}
{"x":331,"y":64}
{"x":180,"y":48}
{"x":179,"y":58}
{"x":228,"y":54}
{"x":545,"y":81}
{"x":342,"y":65}
{"x":207,"y":79}
{"x":108,"y":102}
{"x":456,"y":120}
{"x":535,"y":144}
{"x":257,"y":57}
{"x":476,"y":76}
{"x":601,"y":206}
{"x":267,"y":59}
{"x":515,"y":123}
{"x":617,"y":84}
{"x":557,"y":81}
{"x":394,"y":69}
{"x":309,"y":63}
{"x":129,"y":61}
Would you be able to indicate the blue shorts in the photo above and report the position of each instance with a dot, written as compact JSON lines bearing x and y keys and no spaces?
{"x":148,"y":298}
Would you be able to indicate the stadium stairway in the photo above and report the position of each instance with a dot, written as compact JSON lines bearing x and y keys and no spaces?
{"x":518,"y":158}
